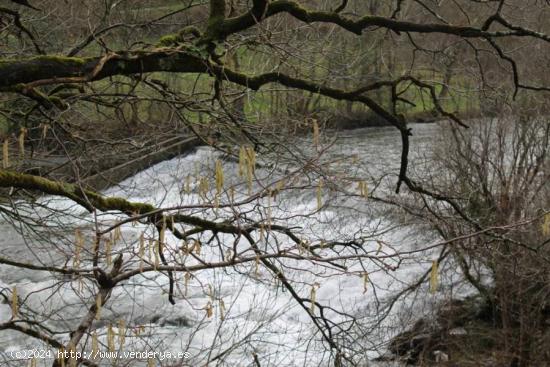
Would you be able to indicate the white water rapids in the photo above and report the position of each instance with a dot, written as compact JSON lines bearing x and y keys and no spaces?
{"x":260,"y":318}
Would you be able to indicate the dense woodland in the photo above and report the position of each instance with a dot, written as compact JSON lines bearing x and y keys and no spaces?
{"x":425,"y":255}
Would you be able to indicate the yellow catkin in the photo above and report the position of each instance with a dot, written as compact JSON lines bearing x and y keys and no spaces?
{"x":313,"y":297}
{"x":79,"y":239}
{"x":95,"y":344}
{"x":98,"y":307}
{"x":546,"y":225}
{"x":434,"y":277}
{"x":79,"y":244}
{"x":211,"y":292}
{"x":203,"y":187}
{"x":21,"y":141}
{"x":219,"y":177}
{"x":187,"y":186}
{"x":32,"y":362}
{"x":251,"y":155}
{"x":61,"y":358}
{"x":45,"y":130}
{"x":315,"y":133}
{"x":162,"y":232}
{"x":121,"y":332}
{"x":197,"y":247}
{"x":117,"y":234}
{"x":156,"y":252}
{"x":242,"y":161}
{"x":365,"y":282}
{"x":222,"y":310}
{"x":257,"y":266}
{"x":268,"y":215}
{"x":250,"y":166}
{"x":108,"y":250}
{"x":209,"y":309}
{"x":6,"y":154}
{"x":320,"y":195}
{"x":363,"y":189}
{"x":14,"y":302}
{"x":280,"y":185}
{"x":150,"y":249}
{"x":141,"y":250}
{"x":110,"y":339}
{"x":72,"y":352}
{"x":228,"y":254}
{"x":184,"y":248}
{"x":186,"y":279}
{"x":150,"y":362}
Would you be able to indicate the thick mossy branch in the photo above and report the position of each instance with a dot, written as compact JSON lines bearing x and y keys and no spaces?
{"x":86,"y":198}
{"x":92,"y":200}
{"x":215,"y":21}
{"x":50,"y":68}
{"x":249,"y":19}
{"x":54,"y":69}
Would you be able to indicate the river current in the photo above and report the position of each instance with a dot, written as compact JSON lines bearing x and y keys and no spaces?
{"x":258,"y":317}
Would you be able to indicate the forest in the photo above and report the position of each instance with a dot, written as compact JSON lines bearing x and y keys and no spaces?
{"x":275,"y":183}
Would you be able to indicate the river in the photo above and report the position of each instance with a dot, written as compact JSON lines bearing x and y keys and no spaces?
{"x":259,"y":317}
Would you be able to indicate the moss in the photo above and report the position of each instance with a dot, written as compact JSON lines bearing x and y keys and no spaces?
{"x":176,"y":38}
{"x":62,"y":59}
{"x":190,"y":30}
{"x":168,"y":40}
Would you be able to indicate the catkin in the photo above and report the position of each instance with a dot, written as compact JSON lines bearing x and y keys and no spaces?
{"x":247,"y":165}
{"x":363,"y":189}
{"x":315,"y":133}
{"x":45,"y":130}
{"x":320,"y":195}
{"x":187,"y":277}
{"x":434,"y":277}
{"x":156,"y":251}
{"x":14,"y":302}
{"x":95,"y":344}
{"x":117,"y":234}
{"x":72,"y":351}
{"x":162,"y":231}
{"x":108,"y":250}
{"x":121,"y":332}
{"x":6,"y":154}
{"x":219,"y":177}
{"x":222,"y":310}
{"x":197,"y":247}
{"x":141,"y":251}
{"x":21,"y":141}
{"x":546,"y":225}
{"x":313,"y":297}
{"x":110,"y":339}
{"x":61,"y":357}
{"x":209,"y":309}
{"x":79,"y":244}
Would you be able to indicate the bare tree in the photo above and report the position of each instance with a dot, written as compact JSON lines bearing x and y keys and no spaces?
{"x":90,"y":89}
